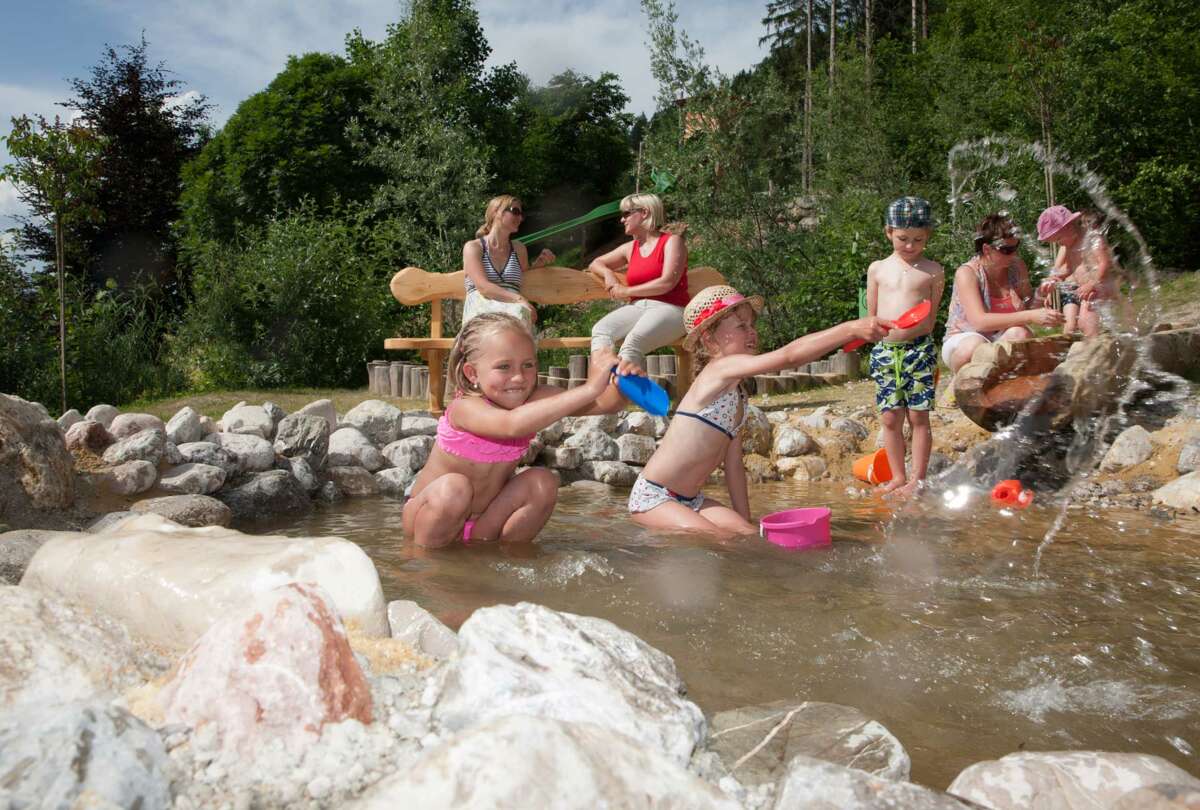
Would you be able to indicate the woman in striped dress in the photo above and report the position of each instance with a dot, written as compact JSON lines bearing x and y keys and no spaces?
{"x":495,"y":264}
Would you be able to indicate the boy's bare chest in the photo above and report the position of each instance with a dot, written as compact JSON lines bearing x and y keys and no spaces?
{"x":905,"y":278}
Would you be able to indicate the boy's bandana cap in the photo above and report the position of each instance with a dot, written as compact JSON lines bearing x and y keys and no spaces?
{"x":909,"y":212}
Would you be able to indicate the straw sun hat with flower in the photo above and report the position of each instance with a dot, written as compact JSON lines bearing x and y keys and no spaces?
{"x":708,"y":306}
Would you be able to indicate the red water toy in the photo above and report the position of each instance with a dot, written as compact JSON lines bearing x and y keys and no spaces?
{"x":1011,"y":493}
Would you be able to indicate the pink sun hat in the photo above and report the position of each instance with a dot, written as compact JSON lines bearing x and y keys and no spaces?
{"x":1053,"y":220}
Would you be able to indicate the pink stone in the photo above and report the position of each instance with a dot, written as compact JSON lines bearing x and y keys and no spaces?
{"x":88,"y":435}
{"x":127,"y":424}
{"x":279,"y":669}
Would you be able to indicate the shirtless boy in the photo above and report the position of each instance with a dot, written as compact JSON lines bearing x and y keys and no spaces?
{"x":904,"y":363}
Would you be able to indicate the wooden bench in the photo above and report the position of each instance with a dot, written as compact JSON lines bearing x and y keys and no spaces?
{"x":413,"y":286}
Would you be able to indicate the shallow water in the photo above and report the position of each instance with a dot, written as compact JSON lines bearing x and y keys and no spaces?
{"x":935,"y":625}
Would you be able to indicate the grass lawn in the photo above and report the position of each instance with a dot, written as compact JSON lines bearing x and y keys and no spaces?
{"x":1178,"y":295}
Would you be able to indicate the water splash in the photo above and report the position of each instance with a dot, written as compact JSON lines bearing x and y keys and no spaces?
{"x":1000,"y":174}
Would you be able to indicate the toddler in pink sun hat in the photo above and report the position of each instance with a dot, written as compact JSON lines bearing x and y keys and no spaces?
{"x":1084,"y":278}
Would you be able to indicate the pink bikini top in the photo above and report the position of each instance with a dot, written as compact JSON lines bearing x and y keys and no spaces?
{"x":464,"y":444}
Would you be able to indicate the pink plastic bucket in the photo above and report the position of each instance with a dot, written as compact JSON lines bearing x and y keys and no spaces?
{"x":797,"y":528}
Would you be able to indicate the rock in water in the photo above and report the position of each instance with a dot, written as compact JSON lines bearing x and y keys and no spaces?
{"x":169,"y":583}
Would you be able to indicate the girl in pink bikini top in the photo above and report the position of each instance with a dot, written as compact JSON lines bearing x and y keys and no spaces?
{"x":469,"y":486}
{"x":465,"y":444}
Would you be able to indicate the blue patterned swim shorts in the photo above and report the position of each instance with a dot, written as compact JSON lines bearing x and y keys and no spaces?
{"x":904,"y":374}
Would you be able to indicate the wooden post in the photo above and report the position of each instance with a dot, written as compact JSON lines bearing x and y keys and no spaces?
{"x":437,"y":380}
{"x":683,"y":371}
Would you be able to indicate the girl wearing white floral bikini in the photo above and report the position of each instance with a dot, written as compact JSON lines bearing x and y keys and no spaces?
{"x":722,"y":338}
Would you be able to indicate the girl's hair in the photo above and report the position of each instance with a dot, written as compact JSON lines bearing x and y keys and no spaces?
{"x":494,"y":207}
{"x":651,"y":204}
{"x":470,"y":341}
{"x":993,"y":227}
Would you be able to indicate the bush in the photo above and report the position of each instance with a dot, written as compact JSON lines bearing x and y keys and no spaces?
{"x":303,"y":302}
{"x":114,"y":344}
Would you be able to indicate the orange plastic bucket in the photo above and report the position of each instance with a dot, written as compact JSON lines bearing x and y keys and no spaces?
{"x":874,"y":469}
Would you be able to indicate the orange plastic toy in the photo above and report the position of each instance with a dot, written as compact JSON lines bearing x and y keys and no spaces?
{"x":873,"y":469}
{"x":1010,"y":493}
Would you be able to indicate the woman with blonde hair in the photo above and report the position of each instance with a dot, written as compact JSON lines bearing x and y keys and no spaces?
{"x":494,"y":263}
{"x":655,"y":288}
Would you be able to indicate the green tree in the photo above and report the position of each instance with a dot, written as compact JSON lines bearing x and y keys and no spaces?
{"x":418,"y":130}
{"x":576,"y":140}
{"x":54,"y":172}
{"x":282,"y":145}
{"x":147,"y":128}
{"x":301,"y":301}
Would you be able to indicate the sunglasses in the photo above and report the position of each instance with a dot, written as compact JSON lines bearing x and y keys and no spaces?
{"x":515,"y":211}
{"x":631,"y":212}
{"x":1007,"y":250}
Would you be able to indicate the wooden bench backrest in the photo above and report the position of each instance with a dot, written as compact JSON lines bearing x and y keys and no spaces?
{"x":542,"y":285}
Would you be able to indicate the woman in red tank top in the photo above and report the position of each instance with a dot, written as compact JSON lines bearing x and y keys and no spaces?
{"x":655,"y":288}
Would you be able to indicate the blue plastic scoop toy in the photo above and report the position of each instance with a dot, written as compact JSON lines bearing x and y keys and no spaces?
{"x":643,"y":392}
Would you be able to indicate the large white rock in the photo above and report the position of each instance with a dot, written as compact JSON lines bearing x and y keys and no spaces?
{"x":1189,"y":457}
{"x":184,"y":426}
{"x":757,"y":433}
{"x":54,"y":650}
{"x":192,"y":479}
{"x":1132,"y":446}
{"x":411,"y":452}
{"x":593,"y":445}
{"x":419,"y":628}
{"x":552,"y":433}
{"x":169,"y":583}
{"x":186,"y":510}
{"x":790,"y":441}
{"x":145,"y":445}
{"x":210,"y":453}
{"x":250,"y":420}
{"x":377,"y":420}
{"x":83,"y":754}
{"x":419,"y":426}
{"x":764,"y":738}
{"x":253,"y":453}
{"x":17,"y":549}
{"x":603,"y":422}
{"x":634,"y":449}
{"x":131,"y":478}
{"x":348,"y":447}
{"x":1182,"y":493}
{"x":528,"y":659}
{"x":277,"y":668}
{"x":536,"y":762}
{"x":1070,"y":780}
{"x":561,"y":458}
{"x":303,"y":436}
{"x":813,"y":784}
{"x":324,"y":409}
{"x":394,"y":481}
{"x":127,"y":424}
{"x":36,"y":471}
{"x":104,"y":414}
{"x":353,"y":482}
{"x":69,"y":418}
{"x":819,"y":418}
{"x":613,"y":473}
